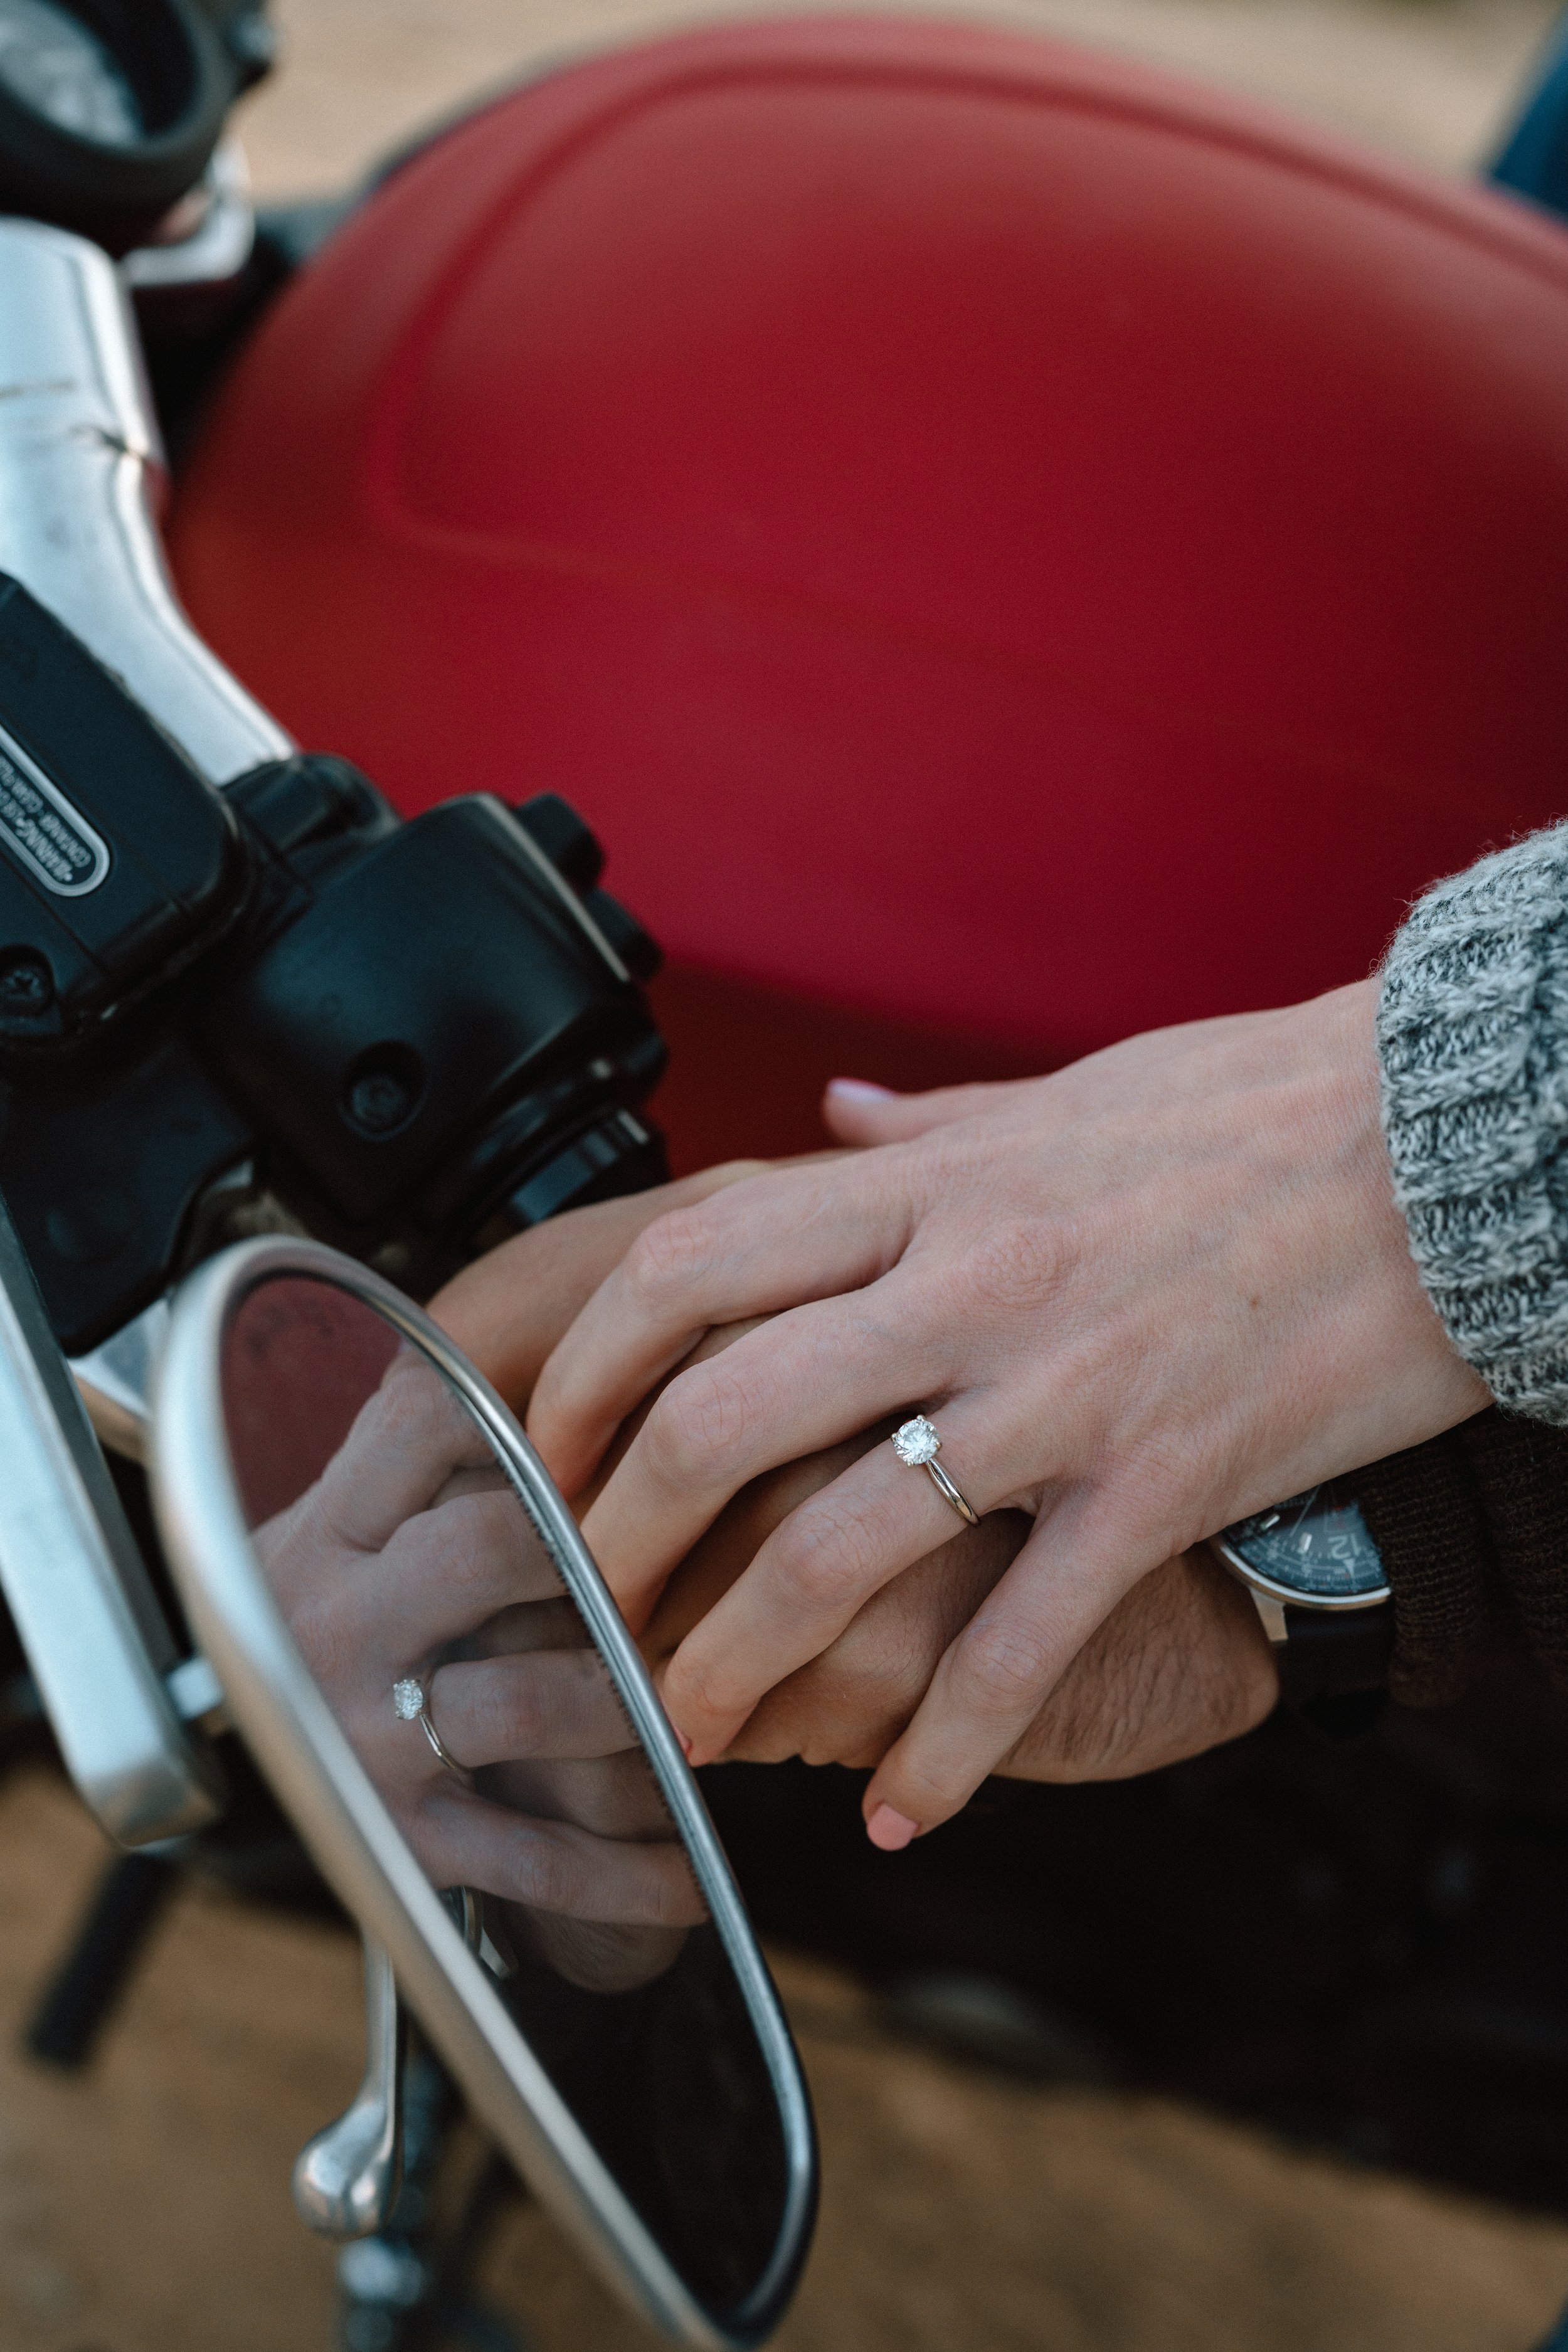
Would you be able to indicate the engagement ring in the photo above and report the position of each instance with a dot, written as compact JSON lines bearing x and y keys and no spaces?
{"x":917,"y":1442}
{"x":410,"y":1705}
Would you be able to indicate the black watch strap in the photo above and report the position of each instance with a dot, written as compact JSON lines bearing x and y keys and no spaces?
{"x":1330,"y":1653}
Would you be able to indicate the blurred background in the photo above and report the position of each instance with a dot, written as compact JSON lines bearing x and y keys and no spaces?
{"x":991,"y":2186}
{"x":1430,"y":78}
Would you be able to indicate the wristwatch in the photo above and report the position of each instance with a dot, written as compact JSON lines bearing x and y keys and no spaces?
{"x":1318,"y":1583}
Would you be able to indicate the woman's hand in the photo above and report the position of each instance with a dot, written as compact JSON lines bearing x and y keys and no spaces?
{"x":1180,"y":1665}
{"x":1143,"y":1297}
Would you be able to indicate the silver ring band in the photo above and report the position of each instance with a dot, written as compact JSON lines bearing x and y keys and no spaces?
{"x":447,"y":1758}
{"x":917,"y":1442}
{"x":411,"y":1705}
{"x":949,"y":1494}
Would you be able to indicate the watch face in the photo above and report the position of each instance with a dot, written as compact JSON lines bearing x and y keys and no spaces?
{"x":1317,"y":1544}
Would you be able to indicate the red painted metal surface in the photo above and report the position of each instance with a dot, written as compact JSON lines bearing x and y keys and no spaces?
{"x":1008,"y":549}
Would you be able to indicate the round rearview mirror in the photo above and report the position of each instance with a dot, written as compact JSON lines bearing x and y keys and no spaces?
{"x":417,"y":1648}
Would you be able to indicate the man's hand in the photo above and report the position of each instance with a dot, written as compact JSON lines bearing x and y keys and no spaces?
{"x":508,"y":1310}
{"x":1180,"y":1667}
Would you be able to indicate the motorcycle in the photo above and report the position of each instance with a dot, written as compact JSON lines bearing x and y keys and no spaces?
{"x":1008,"y":549}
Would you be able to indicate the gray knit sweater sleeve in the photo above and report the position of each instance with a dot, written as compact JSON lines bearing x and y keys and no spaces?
{"x":1473,"y":1036}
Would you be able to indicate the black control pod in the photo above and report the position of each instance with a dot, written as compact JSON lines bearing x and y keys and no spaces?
{"x":409,"y":1038}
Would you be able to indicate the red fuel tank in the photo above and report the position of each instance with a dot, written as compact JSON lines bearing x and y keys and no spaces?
{"x":1008,"y":549}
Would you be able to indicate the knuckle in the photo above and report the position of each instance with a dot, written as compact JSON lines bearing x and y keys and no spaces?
{"x":697,"y":1424}
{"x":1004,"y":1665}
{"x":666,"y":1256}
{"x":542,"y":1872}
{"x":824,"y":1553}
{"x":1017,"y":1264}
{"x":704,"y":1689}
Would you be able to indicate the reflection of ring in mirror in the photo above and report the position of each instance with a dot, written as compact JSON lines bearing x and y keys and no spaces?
{"x":409,"y":1700}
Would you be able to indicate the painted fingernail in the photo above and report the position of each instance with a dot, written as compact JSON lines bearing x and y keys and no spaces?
{"x":685,"y":1745}
{"x":890,"y":1830}
{"x":859,"y":1090}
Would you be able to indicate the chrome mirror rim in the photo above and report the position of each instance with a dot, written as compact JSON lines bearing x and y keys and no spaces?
{"x":341,"y":1816}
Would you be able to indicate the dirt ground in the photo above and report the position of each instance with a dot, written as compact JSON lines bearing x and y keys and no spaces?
{"x":145,"y":2206}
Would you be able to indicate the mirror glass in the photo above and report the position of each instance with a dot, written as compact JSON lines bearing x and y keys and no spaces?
{"x":437,"y":1620}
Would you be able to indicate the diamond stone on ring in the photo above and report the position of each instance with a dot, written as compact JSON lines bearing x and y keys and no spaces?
{"x":410,"y":1705}
{"x":917,"y":1442}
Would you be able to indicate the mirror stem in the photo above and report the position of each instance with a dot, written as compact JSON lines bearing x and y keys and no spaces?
{"x":347,"y":2178}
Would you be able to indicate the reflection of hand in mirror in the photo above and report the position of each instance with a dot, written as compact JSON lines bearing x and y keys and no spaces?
{"x":411,"y":1558}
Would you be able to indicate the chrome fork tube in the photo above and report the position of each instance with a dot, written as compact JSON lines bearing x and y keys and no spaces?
{"x":81,"y":481}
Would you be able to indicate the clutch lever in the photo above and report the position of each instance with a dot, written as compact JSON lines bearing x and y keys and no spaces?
{"x":347,"y":2178}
